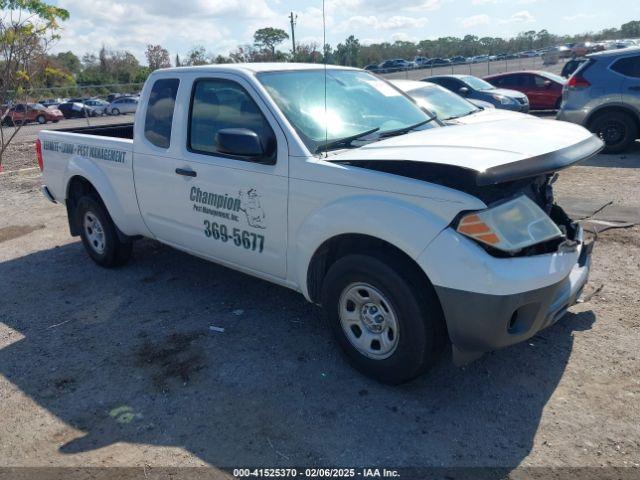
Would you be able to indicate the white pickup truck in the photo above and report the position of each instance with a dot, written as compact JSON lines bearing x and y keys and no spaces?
{"x":336,"y":184}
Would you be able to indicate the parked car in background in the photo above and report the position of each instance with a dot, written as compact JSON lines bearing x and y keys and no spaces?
{"x":22,"y":113}
{"x":123,"y":105}
{"x":584,"y":48}
{"x":420,"y":61}
{"x":100,"y":106}
{"x":76,"y":110}
{"x":373,"y":68}
{"x":434,"y":62}
{"x":571,"y":66}
{"x":395,"y":65}
{"x":626,"y":44}
{"x":458,"y":59}
{"x":50,"y":102}
{"x":474,"y":88}
{"x":480,"y":58}
{"x":450,"y":108}
{"x":543,"y":89}
{"x":604,"y":96}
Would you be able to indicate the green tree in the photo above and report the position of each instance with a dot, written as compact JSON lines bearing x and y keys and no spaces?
{"x":196,"y":56}
{"x":27,"y":28}
{"x":157,"y":57}
{"x":630,"y":29}
{"x":347,"y":53}
{"x":267,"y":39}
{"x":70,"y":62}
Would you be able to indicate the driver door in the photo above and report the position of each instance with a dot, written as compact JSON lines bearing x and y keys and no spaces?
{"x":214,"y":204}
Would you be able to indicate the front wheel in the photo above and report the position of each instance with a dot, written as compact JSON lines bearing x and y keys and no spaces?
{"x":99,"y":234}
{"x":41,"y":119}
{"x":115,"y":111}
{"x":389,"y":328}
{"x":617,"y":129}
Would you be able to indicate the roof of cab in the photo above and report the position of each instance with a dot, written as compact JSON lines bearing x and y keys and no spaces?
{"x":256,"y":67}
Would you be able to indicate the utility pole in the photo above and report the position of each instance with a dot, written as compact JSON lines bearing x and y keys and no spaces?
{"x":292,"y":20}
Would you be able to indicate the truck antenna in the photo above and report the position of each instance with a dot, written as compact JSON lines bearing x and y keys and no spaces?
{"x":324,"y":60}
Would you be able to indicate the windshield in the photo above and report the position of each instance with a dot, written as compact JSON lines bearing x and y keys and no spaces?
{"x":445,"y":104}
{"x":356,"y":102}
{"x":477,"y":83}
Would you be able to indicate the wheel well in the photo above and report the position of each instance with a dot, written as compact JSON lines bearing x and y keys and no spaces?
{"x":614,"y":109}
{"x":337,"y":247}
{"x":77,"y":188}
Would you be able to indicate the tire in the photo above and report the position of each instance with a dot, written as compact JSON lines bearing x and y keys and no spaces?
{"x":115,"y":111}
{"x":356,"y":290}
{"x":617,"y":129}
{"x":41,"y":119}
{"x":99,"y":234}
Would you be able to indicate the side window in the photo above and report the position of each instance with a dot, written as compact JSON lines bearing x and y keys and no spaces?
{"x":500,"y":81}
{"x":159,"y":118}
{"x":629,"y":66}
{"x":540,"y":82}
{"x":448,"y":83}
{"x":522,"y":81}
{"x":218,"y":104}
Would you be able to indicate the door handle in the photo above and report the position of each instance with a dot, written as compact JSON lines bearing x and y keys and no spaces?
{"x":186,"y":172}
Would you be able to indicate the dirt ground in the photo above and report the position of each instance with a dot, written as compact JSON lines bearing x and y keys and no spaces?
{"x":120,"y":367}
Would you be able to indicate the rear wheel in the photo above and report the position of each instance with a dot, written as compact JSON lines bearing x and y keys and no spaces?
{"x":115,"y":111}
{"x":387,"y":326}
{"x":616,"y":129}
{"x":41,"y":119}
{"x":99,"y":234}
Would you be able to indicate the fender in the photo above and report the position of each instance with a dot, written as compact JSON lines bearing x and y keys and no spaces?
{"x":126,"y":219}
{"x":400,"y":223}
{"x":621,"y":106}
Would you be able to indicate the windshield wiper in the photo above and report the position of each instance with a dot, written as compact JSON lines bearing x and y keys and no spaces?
{"x":344,"y":142}
{"x":403,"y":130}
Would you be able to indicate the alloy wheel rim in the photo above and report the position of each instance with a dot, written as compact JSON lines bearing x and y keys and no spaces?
{"x":612,"y":133}
{"x":369,"y":321}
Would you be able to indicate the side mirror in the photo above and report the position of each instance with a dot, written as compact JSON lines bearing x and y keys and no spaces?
{"x":547,"y":83}
{"x":463,"y":91}
{"x":239,"y":141}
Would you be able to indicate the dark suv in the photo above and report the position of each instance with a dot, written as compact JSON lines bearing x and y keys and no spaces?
{"x":604,"y":96}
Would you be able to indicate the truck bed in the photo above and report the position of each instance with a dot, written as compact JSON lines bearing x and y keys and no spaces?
{"x":118,"y":130}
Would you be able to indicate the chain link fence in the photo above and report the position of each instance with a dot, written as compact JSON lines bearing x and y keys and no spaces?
{"x":478,"y":69}
{"x":22,"y":116}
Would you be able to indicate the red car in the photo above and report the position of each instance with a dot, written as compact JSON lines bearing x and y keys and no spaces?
{"x":544,"y":89}
{"x":32,"y":112}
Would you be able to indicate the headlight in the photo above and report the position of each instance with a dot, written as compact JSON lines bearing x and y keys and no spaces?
{"x":502,"y":99}
{"x":510,"y":226}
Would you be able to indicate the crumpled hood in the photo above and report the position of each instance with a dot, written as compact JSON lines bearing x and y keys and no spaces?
{"x":496,"y":151}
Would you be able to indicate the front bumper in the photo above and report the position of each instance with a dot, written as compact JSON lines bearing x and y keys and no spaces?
{"x":486,"y":320}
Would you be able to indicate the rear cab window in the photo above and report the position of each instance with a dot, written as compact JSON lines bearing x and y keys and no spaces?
{"x":159,"y":116}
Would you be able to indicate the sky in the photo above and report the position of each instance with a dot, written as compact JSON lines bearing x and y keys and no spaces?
{"x":221,"y":25}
